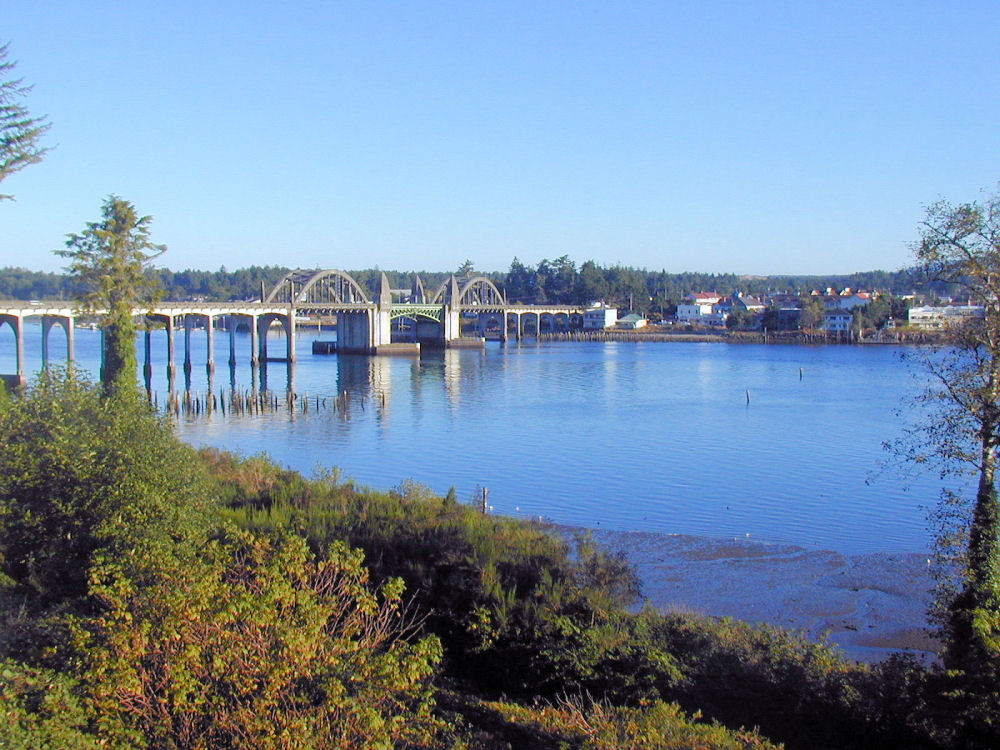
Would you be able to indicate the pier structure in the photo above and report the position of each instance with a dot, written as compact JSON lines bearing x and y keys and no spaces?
{"x":365,"y":324}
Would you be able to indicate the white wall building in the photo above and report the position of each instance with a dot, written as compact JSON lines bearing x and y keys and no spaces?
{"x":633,"y":321}
{"x":693,"y":312}
{"x":600,"y":316}
{"x":837,"y":320}
{"x":932,"y":318}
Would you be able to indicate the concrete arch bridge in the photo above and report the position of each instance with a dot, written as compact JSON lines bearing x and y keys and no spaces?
{"x":365,"y":319}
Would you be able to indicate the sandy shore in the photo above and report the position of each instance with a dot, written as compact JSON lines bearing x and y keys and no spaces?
{"x":868,"y":605}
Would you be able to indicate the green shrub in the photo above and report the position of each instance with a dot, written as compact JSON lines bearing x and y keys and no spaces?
{"x":259,"y":646}
{"x":81,"y":473}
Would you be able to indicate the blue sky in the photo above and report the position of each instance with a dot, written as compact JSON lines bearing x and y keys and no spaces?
{"x":759,"y":138}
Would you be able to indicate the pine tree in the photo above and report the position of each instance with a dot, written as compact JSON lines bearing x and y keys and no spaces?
{"x":110,"y":259}
{"x":20,"y":133}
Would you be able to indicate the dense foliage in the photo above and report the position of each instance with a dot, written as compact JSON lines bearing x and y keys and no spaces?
{"x":133,"y":616}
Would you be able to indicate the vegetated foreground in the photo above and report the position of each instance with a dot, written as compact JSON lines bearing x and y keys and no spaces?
{"x":155,"y":596}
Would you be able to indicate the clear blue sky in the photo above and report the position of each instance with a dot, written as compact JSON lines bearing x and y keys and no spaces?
{"x":752,"y":137}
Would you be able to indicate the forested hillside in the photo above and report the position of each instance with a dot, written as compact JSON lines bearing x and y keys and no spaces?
{"x":555,"y":281}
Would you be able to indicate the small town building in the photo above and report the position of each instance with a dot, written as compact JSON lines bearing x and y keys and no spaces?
{"x":789,"y":318}
{"x":849,"y":300}
{"x":693,"y":312}
{"x":706,"y":298}
{"x":837,"y":320}
{"x":936,"y":318}
{"x":748,"y":303}
{"x":599,"y":316}
{"x":632,"y":321}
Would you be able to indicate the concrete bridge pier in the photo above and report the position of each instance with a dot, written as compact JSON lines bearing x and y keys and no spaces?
{"x":189,"y":321}
{"x":17,"y":325}
{"x":254,"y":342}
{"x":171,"y":366}
{"x":187,"y":349}
{"x":451,"y":324}
{"x":353,"y":336}
{"x":210,"y":334}
{"x":66,"y":322}
{"x":288,"y":325}
{"x":232,"y":342}
{"x":147,"y":362}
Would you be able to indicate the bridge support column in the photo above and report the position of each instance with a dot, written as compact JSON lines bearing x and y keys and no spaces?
{"x":287,"y":324}
{"x":354,"y":332}
{"x":70,"y":340}
{"x":451,"y":323}
{"x":17,"y":325}
{"x":263,"y":323}
{"x":232,"y":342}
{"x":187,"y":346}
{"x":67,"y":324}
{"x":147,"y":360}
{"x":171,"y":363}
{"x":254,"y":341}
{"x":210,"y":361}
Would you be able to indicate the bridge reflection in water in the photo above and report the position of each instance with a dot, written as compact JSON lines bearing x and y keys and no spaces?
{"x":377,"y":324}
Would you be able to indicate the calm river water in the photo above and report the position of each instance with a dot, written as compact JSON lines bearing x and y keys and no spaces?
{"x":652,"y":437}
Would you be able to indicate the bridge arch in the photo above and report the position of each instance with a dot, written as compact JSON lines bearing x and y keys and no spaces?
{"x":480,"y":291}
{"x":318,"y":286}
{"x":477,"y":291}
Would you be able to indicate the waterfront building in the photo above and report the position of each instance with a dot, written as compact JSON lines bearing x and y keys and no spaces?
{"x":599,"y":316}
{"x":837,"y":320}
{"x":936,"y":318}
{"x":632,"y":321}
{"x":693,"y":312}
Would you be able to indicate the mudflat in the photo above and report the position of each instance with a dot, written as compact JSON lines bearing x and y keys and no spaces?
{"x":867,"y":605}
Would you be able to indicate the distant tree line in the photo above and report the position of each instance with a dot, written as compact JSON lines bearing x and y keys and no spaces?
{"x":549,"y":281}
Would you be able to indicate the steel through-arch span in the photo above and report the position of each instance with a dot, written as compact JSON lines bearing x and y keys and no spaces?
{"x":363,"y":320}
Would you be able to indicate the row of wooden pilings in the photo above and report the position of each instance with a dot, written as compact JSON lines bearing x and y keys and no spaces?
{"x":249,"y":402}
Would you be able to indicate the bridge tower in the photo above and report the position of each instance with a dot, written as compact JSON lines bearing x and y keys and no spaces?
{"x":452,"y":320}
{"x":364,"y":331}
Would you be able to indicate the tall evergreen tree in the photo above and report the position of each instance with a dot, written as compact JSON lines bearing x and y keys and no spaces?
{"x":110,"y":259}
{"x":20,"y":133}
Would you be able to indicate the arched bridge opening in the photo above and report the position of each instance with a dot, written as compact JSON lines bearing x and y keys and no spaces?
{"x":417,"y":323}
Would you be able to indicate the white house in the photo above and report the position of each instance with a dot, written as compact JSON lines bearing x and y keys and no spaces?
{"x":600,"y":316}
{"x":748,"y":303}
{"x":837,"y":320}
{"x":633,"y":321}
{"x":694,"y":311}
{"x":850,"y":300}
{"x":706,"y":298}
